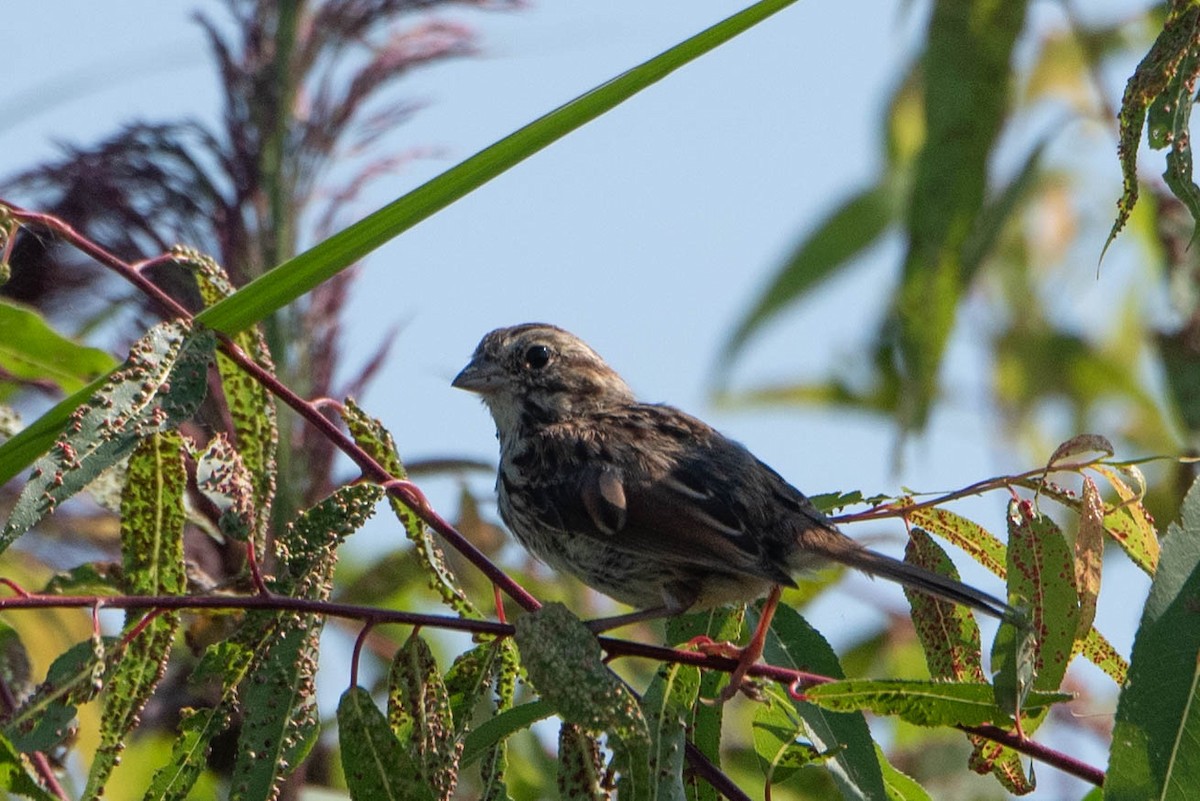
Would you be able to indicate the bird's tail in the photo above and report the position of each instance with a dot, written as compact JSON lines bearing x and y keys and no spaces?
{"x":840,"y":548}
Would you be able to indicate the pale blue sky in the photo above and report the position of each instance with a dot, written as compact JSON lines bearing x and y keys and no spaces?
{"x":647,"y":232}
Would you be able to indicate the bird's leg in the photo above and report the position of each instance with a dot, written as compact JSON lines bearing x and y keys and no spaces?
{"x":748,"y":656}
{"x":602,"y":624}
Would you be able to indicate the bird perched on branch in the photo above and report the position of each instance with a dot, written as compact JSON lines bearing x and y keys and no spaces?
{"x":647,"y":504}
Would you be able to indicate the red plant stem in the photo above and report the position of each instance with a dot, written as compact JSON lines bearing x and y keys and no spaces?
{"x":978,"y":488}
{"x":406,"y":492}
{"x":1065,"y":763}
{"x":614,"y":647}
{"x":705,"y":769}
{"x":357,"y":653}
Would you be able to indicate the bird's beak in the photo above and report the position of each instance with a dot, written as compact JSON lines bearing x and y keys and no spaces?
{"x":478,"y":376}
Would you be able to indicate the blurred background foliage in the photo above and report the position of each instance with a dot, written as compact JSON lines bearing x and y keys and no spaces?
{"x":982,"y":179}
{"x":989,"y":172}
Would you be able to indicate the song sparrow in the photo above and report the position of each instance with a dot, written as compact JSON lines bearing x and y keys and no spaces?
{"x":643,"y":502}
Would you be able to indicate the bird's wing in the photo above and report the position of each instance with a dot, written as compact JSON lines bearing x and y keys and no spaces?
{"x":694,"y":514}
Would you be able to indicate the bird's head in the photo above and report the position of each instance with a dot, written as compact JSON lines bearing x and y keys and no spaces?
{"x":536,"y":373}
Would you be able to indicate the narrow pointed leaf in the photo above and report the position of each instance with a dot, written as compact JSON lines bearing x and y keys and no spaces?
{"x":1156,"y":741}
{"x":723,"y":624}
{"x":838,"y":239}
{"x":159,"y":386}
{"x":1041,"y":574}
{"x":967,"y":74}
{"x":419,"y":714}
{"x":1162,"y":83}
{"x":794,"y":644}
{"x":982,"y":546}
{"x":1130,"y":525}
{"x":667,"y":704}
{"x":15,"y":778}
{"x":580,"y":766}
{"x":31,"y":350}
{"x":948,"y":632}
{"x":922,"y":703}
{"x":152,"y":521}
{"x":498,"y":727}
{"x":278,"y":696}
{"x":373,"y":760}
{"x":228,"y":662}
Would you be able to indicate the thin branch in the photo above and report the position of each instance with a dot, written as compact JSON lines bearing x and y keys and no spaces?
{"x":1064,"y":762}
{"x":373,"y":616}
{"x":978,"y":488}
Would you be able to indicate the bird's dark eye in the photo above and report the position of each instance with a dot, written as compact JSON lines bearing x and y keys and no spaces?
{"x":537,"y":356}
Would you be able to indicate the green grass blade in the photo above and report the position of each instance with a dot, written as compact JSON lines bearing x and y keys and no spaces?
{"x":302,"y":273}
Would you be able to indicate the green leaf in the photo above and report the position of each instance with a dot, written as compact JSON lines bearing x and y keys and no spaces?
{"x":581,"y":773}
{"x":900,"y":786}
{"x":419,"y":714}
{"x":723,"y":624}
{"x":496,"y":728}
{"x":251,"y":406}
{"x":307,"y":547}
{"x":967,"y":73}
{"x":494,"y":762}
{"x":792,"y":643}
{"x":1042,"y":572}
{"x":777,"y":737}
{"x":14,"y":777}
{"x":152,"y":517}
{"x":667,"y":705}
{"x":152,"y":521}
{"x":979,"y":543}
{"x":466,"y":682}
{"x":160,"y":385}
{"x":31,"y":350}
{"x":1130,"y":525}
{"x":229,"y":663}
{"x":1162,"y":82}
{"x":298,"y":275}
{"x":44,"y":720}
{"x":373,"y":760}
{"x":841,"y":237}
{"x":280,"y":721}
{"x":922,"y":703}
{"x":948,"y":632}
{"x":1155,"y":751}
{"x":376,"y":440}
{"x":563,"y":660}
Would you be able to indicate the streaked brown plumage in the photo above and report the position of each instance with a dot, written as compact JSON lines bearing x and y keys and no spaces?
{"x":643,"y":502}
